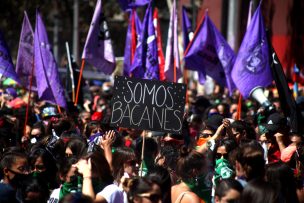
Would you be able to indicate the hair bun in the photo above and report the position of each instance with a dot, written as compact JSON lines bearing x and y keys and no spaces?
{"x":184,"y":151}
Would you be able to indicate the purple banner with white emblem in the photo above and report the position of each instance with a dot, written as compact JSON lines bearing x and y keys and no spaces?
{"x":251,"y":68}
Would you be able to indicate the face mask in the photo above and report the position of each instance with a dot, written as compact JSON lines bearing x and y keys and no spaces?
{"x":69,"y":187}
{"x":223,"y":170}
{"x":201,"y":186}
{"x":201,"y":141}
{"x":33,"y":140}
{"x":43,"y":175}
{"x":262,"y":129}
{"x":17,"y":180}
{"x":35,"y":174}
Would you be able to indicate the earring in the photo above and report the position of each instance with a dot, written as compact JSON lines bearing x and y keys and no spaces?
{"x":196,"y":181}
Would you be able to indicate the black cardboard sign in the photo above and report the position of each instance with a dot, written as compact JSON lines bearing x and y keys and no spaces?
{"x":148,"y":104}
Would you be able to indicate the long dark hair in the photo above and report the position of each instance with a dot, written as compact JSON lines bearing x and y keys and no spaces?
{"x":229,"y":144}
{"x":49,"y":164}
{"x":188,"y":160}
{"x":259,"y":191}
{"x":78,"y":146}
{"x":121,"y":156}
{"x":280,"y":176}
{"x":161,"y":176}
{"x":100,"y":167}
{"x":251,"y":158}
{"x":137,"y":186}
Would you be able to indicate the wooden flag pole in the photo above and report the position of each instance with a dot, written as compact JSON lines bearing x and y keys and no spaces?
{"x":239,"y":108}
{"x":29,"y":99}
{"x":142,"y":154}
{"x":174,"y":71}
{"x":186,"y":82}
{"x":59,"y":109}
{"x":79,"y":81}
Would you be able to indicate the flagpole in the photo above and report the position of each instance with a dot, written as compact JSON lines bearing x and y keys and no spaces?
{"x":79,"y":81}
{"x":174,"y":71}
{"x":194,"y":35}
{"x":239,"y":108}
{"x":186,"y":82}
{"x":71,"y":70}
{"x":29,"y":99}
{"x":142,"y":154}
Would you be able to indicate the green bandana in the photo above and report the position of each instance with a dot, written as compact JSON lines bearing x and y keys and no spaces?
{"x":35,"y":174}
{"x":67,"y":188}
{"x":70,"y":187}
{"x":201,"y":186}
{"x":222,"y":170}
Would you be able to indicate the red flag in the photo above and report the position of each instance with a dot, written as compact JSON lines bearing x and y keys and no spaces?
{"x":134,"y":35}
{"x":161,"y":58}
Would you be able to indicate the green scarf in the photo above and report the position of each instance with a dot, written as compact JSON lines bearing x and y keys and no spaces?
{"x":201,"y":186}
{"x":223,"y":170}
{"x":67,"y":188}
{"x":70,"y":187}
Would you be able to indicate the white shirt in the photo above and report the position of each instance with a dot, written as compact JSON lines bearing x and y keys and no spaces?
{"x":54,"y":198}
{"x":112,"y":193}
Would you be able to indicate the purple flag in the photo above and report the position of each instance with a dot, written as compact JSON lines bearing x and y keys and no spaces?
{"x":133,"y":36}
{"x":129,"y":4}
{"x":98,"y":49}
{"x":6,"y":63}
{"x":210,"y":54}
{"x":25,"y":58}
{"x":251,"y":68}
{"x":48,"y":85}
{"x":146,"y":59}
{"x":187,"y":29}
{"x":172,"y":50}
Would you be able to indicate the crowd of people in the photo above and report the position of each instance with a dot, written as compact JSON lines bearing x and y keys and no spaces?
{"x":74,"y":155}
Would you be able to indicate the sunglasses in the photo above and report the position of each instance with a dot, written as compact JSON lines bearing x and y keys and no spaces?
{"x":231,"y":201}
{"x":152,"y":197}
{"x":219,"y":156}
{"x":205,"y":135}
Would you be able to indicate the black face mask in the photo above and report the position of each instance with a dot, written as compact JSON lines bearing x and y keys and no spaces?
{"x":18,"y":179}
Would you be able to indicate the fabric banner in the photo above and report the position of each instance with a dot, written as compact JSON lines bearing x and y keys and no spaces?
{"x":48,"y":85}
{"x":98,"y":49}
{"x":25,"y":58}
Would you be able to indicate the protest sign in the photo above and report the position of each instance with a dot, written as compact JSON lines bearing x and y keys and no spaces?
{"x":148,"y":104}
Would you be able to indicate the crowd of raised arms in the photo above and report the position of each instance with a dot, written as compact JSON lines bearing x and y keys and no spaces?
{"x":75,"y":155}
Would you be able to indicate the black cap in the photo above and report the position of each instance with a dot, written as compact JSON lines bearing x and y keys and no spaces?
{"x":275,"y":121}
{"x":214,"y":121}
